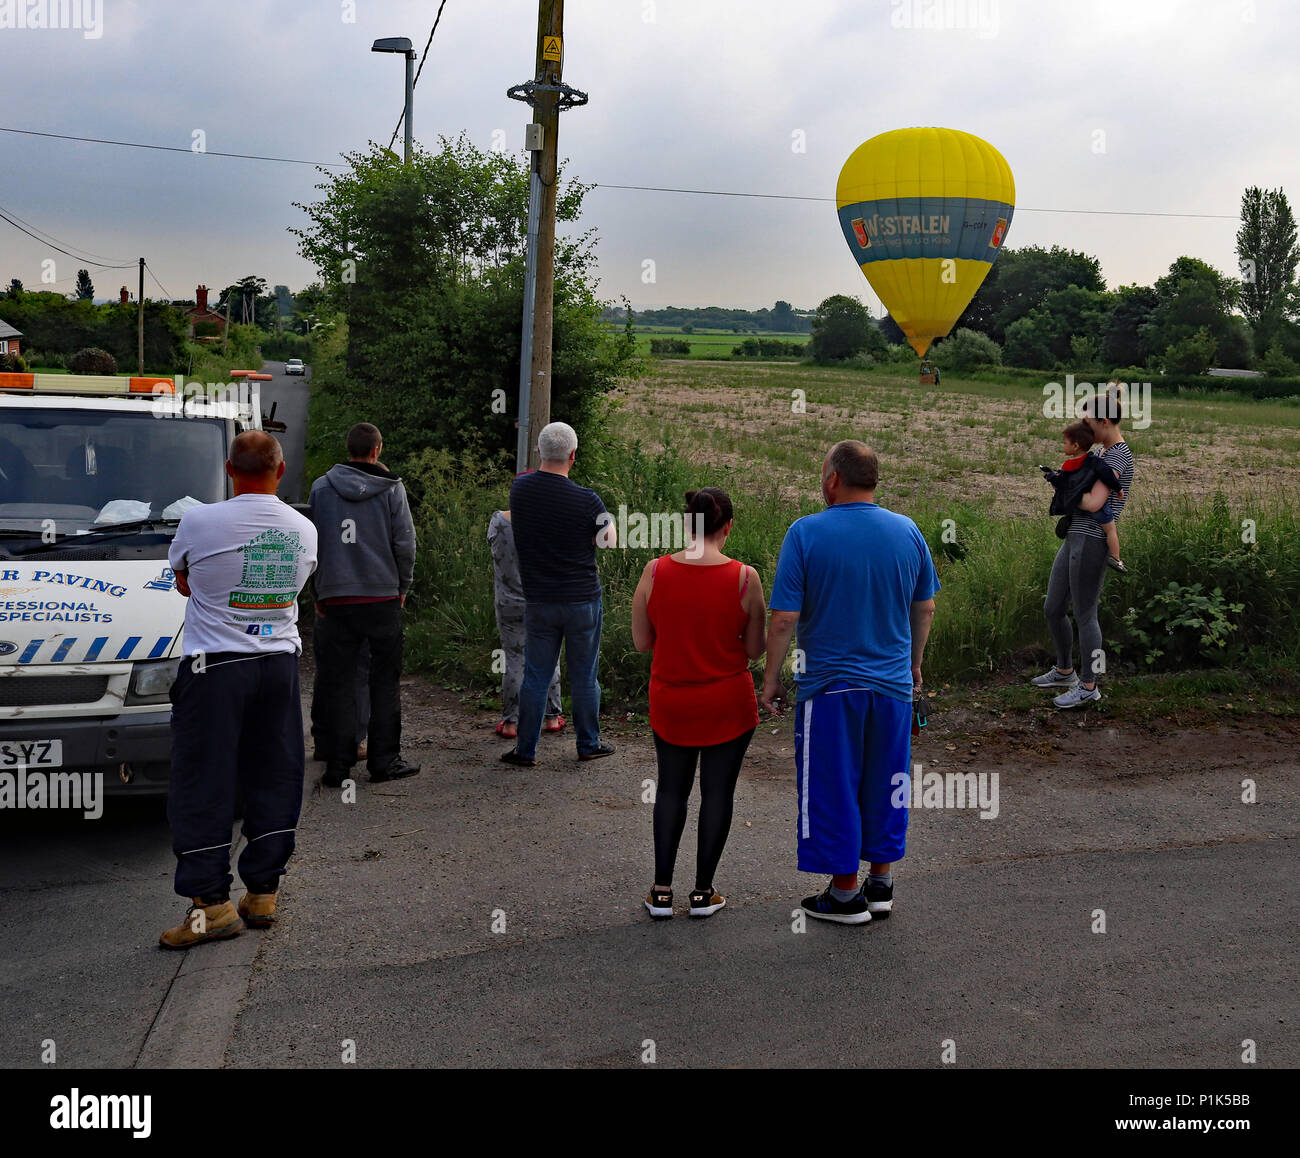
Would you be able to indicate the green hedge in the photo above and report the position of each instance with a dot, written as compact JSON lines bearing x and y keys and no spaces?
{"x":283,"y":346}
{"x":1204,"y":591}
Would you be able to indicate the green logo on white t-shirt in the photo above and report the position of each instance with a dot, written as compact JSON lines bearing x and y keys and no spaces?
{"x":270,"y":577}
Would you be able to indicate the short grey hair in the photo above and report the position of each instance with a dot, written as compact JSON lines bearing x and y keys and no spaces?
{"x":556,"y":442}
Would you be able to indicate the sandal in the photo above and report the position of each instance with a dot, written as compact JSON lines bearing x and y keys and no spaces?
{"x":558,"y":721}
{"x":501,"y":730}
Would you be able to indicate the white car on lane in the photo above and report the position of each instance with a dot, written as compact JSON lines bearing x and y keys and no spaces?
{"x":295,"y":366}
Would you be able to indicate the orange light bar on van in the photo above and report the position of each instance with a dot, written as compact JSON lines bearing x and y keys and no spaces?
{"x":12,"y":381}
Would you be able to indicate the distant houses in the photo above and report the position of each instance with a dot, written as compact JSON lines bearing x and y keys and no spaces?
{"x":9,"y":338}
{"x":203,"y":322}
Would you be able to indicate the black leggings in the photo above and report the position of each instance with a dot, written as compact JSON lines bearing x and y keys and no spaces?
{"x":719,"y":770}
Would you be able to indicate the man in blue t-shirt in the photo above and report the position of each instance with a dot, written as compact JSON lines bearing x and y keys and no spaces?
{"x":859,"y":583}
{"x":556,"y":523}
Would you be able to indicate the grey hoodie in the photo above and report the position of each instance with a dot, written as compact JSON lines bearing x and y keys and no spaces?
{"x":366,"y":535}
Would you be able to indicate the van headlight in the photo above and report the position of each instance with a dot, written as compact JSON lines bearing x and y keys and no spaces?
{"x":152,"y":681}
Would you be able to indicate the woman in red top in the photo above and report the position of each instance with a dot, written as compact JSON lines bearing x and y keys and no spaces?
{"x":703,"y":616}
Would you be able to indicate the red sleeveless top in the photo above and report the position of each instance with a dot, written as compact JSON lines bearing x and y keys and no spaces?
{"x":701,"y":691}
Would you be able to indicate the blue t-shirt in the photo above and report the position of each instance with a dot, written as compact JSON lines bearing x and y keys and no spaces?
{"x":853,"y":572}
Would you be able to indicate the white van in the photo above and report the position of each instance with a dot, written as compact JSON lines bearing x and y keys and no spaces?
{"x":93,"y":481}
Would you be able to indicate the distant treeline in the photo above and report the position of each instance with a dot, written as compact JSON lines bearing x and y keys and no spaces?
{"x":781,"y":319}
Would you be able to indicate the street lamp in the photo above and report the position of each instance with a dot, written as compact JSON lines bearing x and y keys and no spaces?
{"x":403,"y":45}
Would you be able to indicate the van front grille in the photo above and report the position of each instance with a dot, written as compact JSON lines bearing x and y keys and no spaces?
{"x":31,"y":691}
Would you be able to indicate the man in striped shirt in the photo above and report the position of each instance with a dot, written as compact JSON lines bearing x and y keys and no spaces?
{"x":1079,"y":569}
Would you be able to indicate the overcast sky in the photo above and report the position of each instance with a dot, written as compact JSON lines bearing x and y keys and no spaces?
{"x":1159,"y":106}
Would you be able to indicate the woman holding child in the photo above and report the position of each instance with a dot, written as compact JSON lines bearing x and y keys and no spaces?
{"x":1079,"y":569}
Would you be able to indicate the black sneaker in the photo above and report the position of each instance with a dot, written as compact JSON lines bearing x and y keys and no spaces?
{"x":397,"y":770}
{"x":880,"y":900}
{"x":706,"y":902}
{"x":334,"y":779}
{"x":825,"y":907}
{"x":603,"y":750}
{"x":660,"y":903}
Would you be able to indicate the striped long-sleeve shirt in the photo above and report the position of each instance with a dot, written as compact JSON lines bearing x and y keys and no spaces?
{"x":1120,"y":459}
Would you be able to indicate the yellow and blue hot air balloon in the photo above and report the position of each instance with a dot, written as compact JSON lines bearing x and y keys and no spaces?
{"x":925,"y":212}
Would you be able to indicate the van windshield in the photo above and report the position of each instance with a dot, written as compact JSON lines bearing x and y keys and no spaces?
{"x":87,"y":470}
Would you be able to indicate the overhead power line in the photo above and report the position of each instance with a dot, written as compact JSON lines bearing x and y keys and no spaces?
{"x":419,"y":70}
{"x":166,"y":292}
{"x":69,"y":253}
{"x":798,"y":197}
{"x":600,"y":184}
{"x":86,"y":256}
{"x":172,"y":148}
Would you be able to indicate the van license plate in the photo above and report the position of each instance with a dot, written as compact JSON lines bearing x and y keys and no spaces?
{"x":32,"y":753}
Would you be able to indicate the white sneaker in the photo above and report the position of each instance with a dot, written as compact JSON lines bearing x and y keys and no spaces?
{"x":1052,"y":678}
{"x":1077,"y":696}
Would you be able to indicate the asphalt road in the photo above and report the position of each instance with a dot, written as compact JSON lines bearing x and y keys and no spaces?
{"x":1121,"y":911}
{"x":289,"y":394}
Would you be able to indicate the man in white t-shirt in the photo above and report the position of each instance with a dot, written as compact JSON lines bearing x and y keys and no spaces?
{"x":236,"y":711}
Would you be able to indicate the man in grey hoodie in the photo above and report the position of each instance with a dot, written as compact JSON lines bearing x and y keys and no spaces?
{"x":367,"y":559}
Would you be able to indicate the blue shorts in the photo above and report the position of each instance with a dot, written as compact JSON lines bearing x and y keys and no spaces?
{"x":849,"y":745}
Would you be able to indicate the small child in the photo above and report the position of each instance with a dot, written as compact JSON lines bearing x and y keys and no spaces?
{"x":509,"y":601}
{"x":1078,"y":473}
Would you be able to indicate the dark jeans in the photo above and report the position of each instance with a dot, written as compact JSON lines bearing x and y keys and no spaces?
{"x":320,"y":725}
{"x":238,"y":723}
{"x":547,"y":626}
{"x":339,"y":634}
{"x":719,"y":770}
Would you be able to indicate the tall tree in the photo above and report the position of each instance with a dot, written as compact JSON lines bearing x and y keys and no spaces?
{"x":85,"y":291}
{"x":425,"y":261}
{"x":1020,"y":282}
{"x":841,"y":329}
{"x":1267,"y":251}
{"x":1122,"y":344}
{"x":782,"y":318}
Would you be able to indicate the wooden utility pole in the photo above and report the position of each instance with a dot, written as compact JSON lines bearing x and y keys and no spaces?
{"x":140,"y":321}
{"x":550,"y":50}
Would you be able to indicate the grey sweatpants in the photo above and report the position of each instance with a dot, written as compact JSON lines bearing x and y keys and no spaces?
{"x":1078,"y":573}
{"x":510,"y":627}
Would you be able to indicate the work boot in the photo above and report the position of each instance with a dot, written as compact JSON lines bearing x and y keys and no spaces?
{"x":397,"y":770}
{"x":258,"y":909}
{"x":203,"y":923}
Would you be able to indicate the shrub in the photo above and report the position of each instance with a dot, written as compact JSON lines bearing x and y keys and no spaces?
{"x":1193,"y":354}
{"x":13,"y":364}
{"x":670,"y":347}
{"x":767,"y":348}
{"x":1085,"y":350}
{"x":92,"y":360}
{"x":965,"y":350}
{"x":1189,"y":625}
{"x":1276,"y":364}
